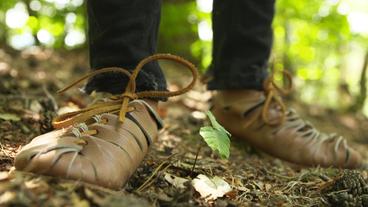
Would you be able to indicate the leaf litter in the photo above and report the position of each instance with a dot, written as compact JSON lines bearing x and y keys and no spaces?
{"x":165,"y":176}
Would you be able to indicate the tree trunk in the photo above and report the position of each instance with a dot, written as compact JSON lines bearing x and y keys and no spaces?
{"x":359,"y":103}
{"x":35,"y":14}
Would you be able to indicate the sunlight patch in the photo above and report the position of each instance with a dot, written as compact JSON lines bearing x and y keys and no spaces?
{"x":45,"y":37}
{"x":22,"y":41}
{"x":205,"y":31}
{"x":205,"y":5}
{"x":74,"y":38}
{"x":17,"y":17}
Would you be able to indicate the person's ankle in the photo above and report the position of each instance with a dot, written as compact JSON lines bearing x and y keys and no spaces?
{"x":235,"y":92}
{"x":230,"y":96}
{"x":152,"y":103}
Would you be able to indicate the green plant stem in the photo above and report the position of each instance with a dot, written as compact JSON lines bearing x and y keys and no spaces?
{"x":195,"y":160}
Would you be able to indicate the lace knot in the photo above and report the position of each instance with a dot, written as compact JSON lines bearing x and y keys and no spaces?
{"x":272,"y":92}
{"x":120,"y":104}
{"x":130,"y":95}
{"x":268,"y":85}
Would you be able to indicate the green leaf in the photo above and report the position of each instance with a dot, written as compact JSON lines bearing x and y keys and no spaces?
{"x":216,"y":137}
{"x":10,"y":117}
{"x":215,"y":124}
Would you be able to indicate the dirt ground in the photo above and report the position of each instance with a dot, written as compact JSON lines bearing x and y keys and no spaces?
{"x":28,"y":82}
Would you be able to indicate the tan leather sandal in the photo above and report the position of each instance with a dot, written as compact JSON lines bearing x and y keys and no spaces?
{"x":104,"y":143}
{"x":262,"y":119}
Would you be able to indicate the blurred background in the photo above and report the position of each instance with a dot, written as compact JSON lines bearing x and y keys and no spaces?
{"x":323,"y":43}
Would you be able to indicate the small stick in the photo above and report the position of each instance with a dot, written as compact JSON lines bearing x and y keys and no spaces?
{"x":48,"y":94}
{"x":155,"y":172}
{"x":195,"y":160}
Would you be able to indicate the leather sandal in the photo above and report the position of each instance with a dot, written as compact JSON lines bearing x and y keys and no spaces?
{"x":262,"y":119}
{"x":104,"y":143}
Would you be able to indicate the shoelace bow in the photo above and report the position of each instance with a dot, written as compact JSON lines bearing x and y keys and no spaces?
{"x":120,"y":103}
{"x":272,"y":92}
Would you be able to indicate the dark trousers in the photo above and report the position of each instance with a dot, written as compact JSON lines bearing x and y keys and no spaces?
{"x":122,"y":32}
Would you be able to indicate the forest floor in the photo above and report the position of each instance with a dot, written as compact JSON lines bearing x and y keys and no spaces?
{"x":28,"y":101}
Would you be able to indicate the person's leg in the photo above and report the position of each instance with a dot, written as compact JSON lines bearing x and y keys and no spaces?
{"x":242,"y":43}
{"x":121,"y":33}
{"x":105,"y":142}
{"x":246,"y":101}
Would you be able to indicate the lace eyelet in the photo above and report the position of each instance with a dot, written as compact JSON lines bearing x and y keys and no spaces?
{"x":82,"y":142}
{"x":97,"y":118}
{"x":104,"y":121}
{"x":76,"y":132}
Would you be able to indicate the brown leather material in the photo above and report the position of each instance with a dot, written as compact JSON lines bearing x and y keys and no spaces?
{"x":109,"y":138}
{"x":293,"y":140}
{"x":107,"y":158}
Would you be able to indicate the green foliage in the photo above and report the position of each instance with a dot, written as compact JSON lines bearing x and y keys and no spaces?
{"x":177,"y":30}
{"x":216,"y":137}
{"x":313,"y":39}
{"x":202,"y":49}
{"x":48,"y":23}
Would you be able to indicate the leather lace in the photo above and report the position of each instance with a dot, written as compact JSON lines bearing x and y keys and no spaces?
{"x":119,"y":104}
{"x":272,"y":92}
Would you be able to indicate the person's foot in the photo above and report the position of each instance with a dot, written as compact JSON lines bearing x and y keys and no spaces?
{"x":262,"y":120}
{"x":104,"y":152}
{"x":104,"y":143}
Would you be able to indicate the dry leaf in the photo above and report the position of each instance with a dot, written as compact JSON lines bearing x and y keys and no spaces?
{"x":35,"y":106}
{"x":4,"y":176}
{"x":71,"y":107}
{"x":211,"y":189}
{"x":37,"y":186}
{"x":178,"y":182}
{"x":6,"y":197}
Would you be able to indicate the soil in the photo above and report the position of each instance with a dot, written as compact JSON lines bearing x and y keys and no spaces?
{"x":28,"y":102}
